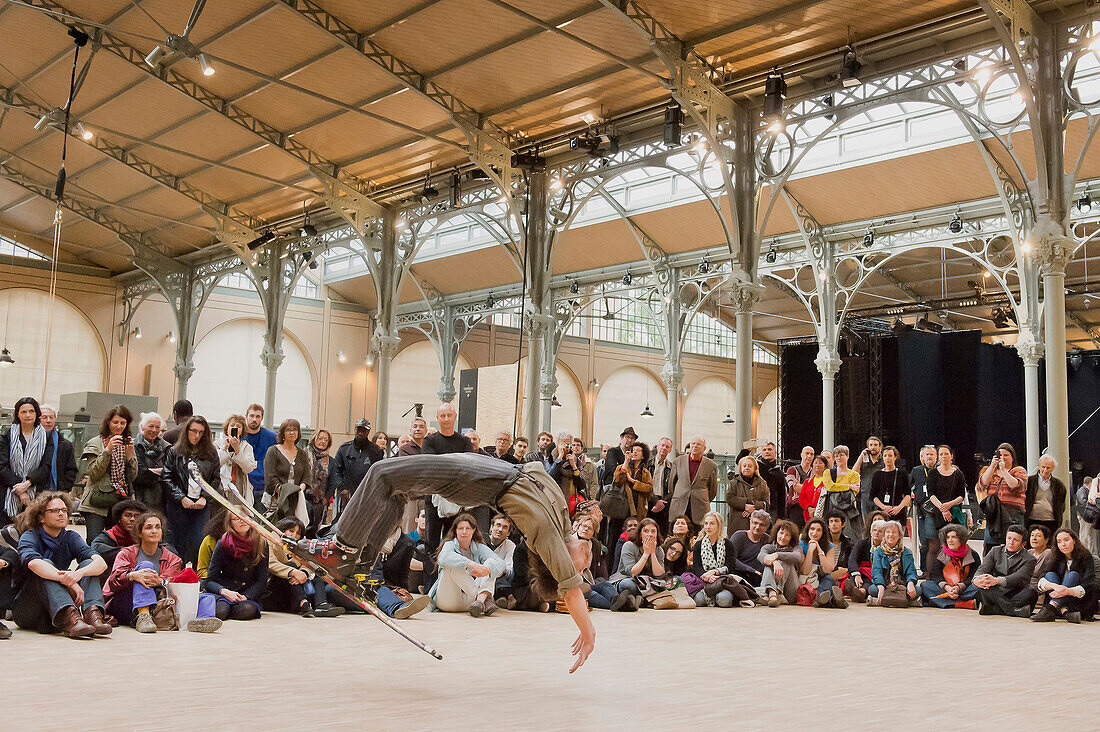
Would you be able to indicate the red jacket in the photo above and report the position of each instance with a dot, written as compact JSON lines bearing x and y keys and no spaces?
{"x":807,"y":497}
{"x":170,"y":566}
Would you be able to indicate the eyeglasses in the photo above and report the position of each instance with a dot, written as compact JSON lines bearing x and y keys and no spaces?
{"x":57,"y":510}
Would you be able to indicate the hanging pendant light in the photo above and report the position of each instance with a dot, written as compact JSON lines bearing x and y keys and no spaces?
{"x":5,"y":359}
{"x":647,"y":412}
{"x":728,"y":419}
{"x":554,"y":403}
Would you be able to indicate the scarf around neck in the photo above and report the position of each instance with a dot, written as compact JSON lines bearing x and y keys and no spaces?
{"x":120,"y":535}
{"x":23,"y":461}
{"x":118,"y":469}
{"x":238,"y":546}
{"x":893,"y":556}
{"x":50,"y":544}
{"x":955,"y":553}
{"x":710,"y":560}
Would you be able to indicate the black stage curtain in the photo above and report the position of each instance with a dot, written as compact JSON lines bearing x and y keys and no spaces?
{"x":1000,"y":402}
{"x":801,"y":399}
{"x":1084,"y":398}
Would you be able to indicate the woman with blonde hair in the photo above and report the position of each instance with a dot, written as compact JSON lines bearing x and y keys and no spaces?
{"x":236,"y":458}
{"x":892,"y":567}
{"x":746,"y":493}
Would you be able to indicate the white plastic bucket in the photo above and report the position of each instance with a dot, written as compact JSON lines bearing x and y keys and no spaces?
{"x":186,"y":595}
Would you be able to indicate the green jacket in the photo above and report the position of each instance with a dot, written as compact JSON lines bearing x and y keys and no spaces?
{"x":99,"y":496}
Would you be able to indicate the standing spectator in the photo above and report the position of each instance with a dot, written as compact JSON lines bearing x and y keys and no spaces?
{"x":565,"y":471}
{"x":351,"y":462}
{"x":262,"y":439}
{"x":746,"y":544}
{"x":468,"y":570}
{"x":110,"y":464}
{"x":238,"y":571}
{"x":25,"y":458}
{"x":767,"y":461}
{"x":796,"y":477}
{"x":182,"y":411}
{"x":952,"y":571}
{"x":1045,"y":498}
{"x":286,"y":474}
{"x":63,"y":470}
{"x":661,"y":470}
{"x":946,"y":492}
{"x":382,"y":440}
{"x":9,"y":560}
{"x":236,"y":459}
{"x":586,"y":469}
{"x":616,"y":456}
{"x":892,"y":566}
{"x":475,"y":439}
{"x":418,"y":430}
{"x":545,"y":445}
{"x":813,"y":487}
{"x":747,"y":492}
{"x":919,"y":478}
{"x":519,"y":449}
{"x":1004,"y":578}
{"x":695,"y":482}
{"x":782,"y":559}
{"x":445,"y":442}
{"x":638,"y":481}
{"x":51,"y":596}
{"x":318,"y":493}
{"x":186,"y":504}
{"x":150,"y":449}
{"x":842,"y":493}
{"x":1070,"y":584}
{"x":1002,"y":491}
{"x":890,"y":488}
{"x":502,"y":447}
{"x":868,"y":463}
{"x":120,"y":534}
{"x":601,"y":477}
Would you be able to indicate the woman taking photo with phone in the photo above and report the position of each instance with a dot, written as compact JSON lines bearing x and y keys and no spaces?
{"x":110,"y":462}
{"x":638,"y":481}
{"x":235,"y":458}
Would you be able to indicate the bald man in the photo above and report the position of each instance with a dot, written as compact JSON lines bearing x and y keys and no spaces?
{"x":446,"y":441}
{"x":694,"y":482}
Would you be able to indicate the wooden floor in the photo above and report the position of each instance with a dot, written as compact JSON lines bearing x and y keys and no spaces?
{"x":755,"y":668}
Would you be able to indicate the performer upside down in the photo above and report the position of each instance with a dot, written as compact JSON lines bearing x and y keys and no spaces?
{"x":524,"y":493}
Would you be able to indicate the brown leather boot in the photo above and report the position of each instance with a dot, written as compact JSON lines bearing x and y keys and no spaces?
{"x":71,"y":625}
{"x":93,"y":616}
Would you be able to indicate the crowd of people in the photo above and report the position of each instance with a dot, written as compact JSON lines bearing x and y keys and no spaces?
{"x":825,"y":531}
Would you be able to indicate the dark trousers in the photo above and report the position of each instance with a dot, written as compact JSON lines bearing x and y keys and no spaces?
{"x":243,"y":610}
{"x":40,"y":600}
{"x":188,"y":528}
{"x":996,"y":601}
{"x":94,"y":524}
{"x":283,"y":597}
{"x":661,"y":517}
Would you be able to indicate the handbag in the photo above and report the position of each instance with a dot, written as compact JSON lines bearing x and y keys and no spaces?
{"x":894,"y":596}
{"x":843,"y":500}
{"x":692,"y":583}
{"x":1089,"y":512}
{"x":164,"y":612}
{"x":806,"y":595}
{"x":614,"y":502}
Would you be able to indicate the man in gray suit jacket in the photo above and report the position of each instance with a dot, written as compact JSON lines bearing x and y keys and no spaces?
{"x":694,"y":482}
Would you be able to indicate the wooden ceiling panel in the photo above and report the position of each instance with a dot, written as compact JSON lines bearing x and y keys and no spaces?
{"x":227,"y":185}
{"x":414,"y":109}
{"x":212,"y":135}
{"x":29,"y":39}
{"x":780,"y":220}
{"x":34,"y":215}
{"x":112,"y":181}
{"x":344,"y":75}
{"x":169,"y":203}
{"x":549,"y":9}
{"x":282,"y":202}
{"x":285,"y":109}
{"x":272,"y":43}
{"x":356,"y":289}
{"x":455,"y":28}
{"x":611,"y":33}
{"x":520,"y":70}
{"x":367,"y":17}
{"x":350,"y":134}
{"x":141,"y":112}
{"x":414,"y":157}
{"x":475,"y":270}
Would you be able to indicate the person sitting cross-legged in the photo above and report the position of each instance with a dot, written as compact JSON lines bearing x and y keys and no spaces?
{"x":238,"y":570}
{"x":818,"y":564}
{"x":468,"y":571}
{"x":951,"y":574}
{"x":782,"y":559}
{"x":859,"y":560}
{"x":110,"y":541}
{"x":892,"y":566}
{"x":747,"y":544}
{"x":50,"y":595}
{"x":1004,"y":578}
{"x":138,"y":576}
{"x":288,"y":584}
{"x":1071,"y":582}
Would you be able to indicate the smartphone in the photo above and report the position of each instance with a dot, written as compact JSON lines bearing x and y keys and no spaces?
{"x":235,"y":432}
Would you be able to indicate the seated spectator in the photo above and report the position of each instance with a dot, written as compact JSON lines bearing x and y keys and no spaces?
{"x":121,"y":532}
{"x":860,"y":559}
{"x":26,"y":454}
{"x":1040,"y":548}
{"x":951,"y":574}
{"x":782,"y":558}
{"x":635,"y":476}
{"x":149,"y":448}
{"x":526,"y":598}
{"x":676,"y":555}
{"x":1045,"y":496}
{"x":9,"y":560}
{"x":746,"y":544}
{"x":138,"y":577}
{"x":1070,"y":584}
{"x":813,"y":487}
{"x":238,"y":570}
{"x":110,"y":465}
{"x":642,"y":556}
{"x":393,"y":575}
{"x":212,"y":533}
{"x":586,"y":527}
{"x":235,"y":459}
{"x":50,"y":596}
{"x":468,"y":570}
{"x":890,"y":489}
{"x":1002,"y":491}
{"x":289,"y":584}
{"x":892,"y":565}
{"x":519,"y":449}
{"x":1004,"y":578}
{"x":711,"y":564}
{"x":818,"y":563}
{"x":629,"y":525}
{"x":682,"y":528}
{"x":504,"y":548}
{"x":838,"y":538}
{"x":746,"y":493}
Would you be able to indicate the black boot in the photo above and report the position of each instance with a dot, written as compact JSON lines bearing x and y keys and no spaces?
{"x":1046,"y":615}
{"x":332,"y":555}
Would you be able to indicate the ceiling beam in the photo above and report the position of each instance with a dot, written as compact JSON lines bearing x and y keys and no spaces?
{"x":1092,"y":331}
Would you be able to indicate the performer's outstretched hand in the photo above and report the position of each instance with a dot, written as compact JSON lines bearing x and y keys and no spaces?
{"x":586,"y":641}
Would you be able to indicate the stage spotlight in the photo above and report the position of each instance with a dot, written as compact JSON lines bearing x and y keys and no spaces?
{"x":490,"y":301}
{"x":259,"y":241}
{"x":704,"y":267}
{"x":775,"y":91}
{"x":627,"y":279}
{"x":773,"y":254}
{"x":574,"y":287}
{"x":84,"y":132}
{"x":869,"y":238}
{"x":674,"y":124}
{"x":204,"y":64}
{"x":1084,"y":203}
{"x":155,"y":57}
{"x":956,"y":224}
{"x":849,"y":69}
{"x":1000,"y":318}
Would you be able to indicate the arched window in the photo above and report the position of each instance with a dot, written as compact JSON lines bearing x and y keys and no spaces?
{"x":767,"y":420}
{"x":707,"y":404}
{"x":229,"y":375}
{"x":619,"y":404}
{"x":414,"y":378}
{"x":77,"y":359}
